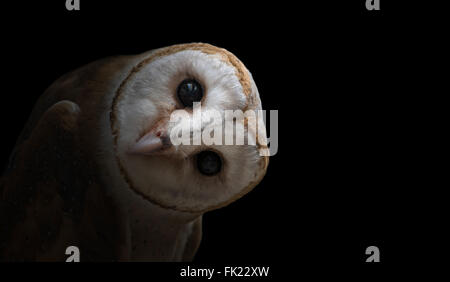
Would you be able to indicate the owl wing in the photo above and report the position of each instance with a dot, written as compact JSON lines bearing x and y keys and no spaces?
{"x":50,"y":199}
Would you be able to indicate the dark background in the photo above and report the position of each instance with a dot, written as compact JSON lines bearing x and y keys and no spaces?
{"x":344,"y":173}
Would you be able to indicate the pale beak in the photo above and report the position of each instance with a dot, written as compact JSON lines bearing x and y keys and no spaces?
{"x":156,"y":140}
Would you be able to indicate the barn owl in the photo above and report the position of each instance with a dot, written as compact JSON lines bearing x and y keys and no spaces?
{"x":95,"y":168}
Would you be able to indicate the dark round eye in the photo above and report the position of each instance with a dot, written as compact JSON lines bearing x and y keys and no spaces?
{"x":189,"y":91}
{"x":209,"y":163}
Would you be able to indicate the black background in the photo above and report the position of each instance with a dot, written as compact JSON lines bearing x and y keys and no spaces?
{"x":343,"y":174}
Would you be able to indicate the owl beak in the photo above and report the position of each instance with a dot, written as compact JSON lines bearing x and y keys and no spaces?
{"x":151,"y":143}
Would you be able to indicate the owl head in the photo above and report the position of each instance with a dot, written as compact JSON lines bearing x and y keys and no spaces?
{"x":158,"y":97}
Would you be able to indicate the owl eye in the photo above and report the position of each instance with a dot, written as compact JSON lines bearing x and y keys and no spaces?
{"x":189,"y":91}
{"x":209,"y":163}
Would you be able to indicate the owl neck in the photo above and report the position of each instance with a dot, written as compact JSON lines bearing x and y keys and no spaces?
{"x":156,"y":233}
{"x":152,"y":233}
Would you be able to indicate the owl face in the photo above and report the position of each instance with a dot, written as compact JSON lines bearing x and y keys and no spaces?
{"x":185,"y":177}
